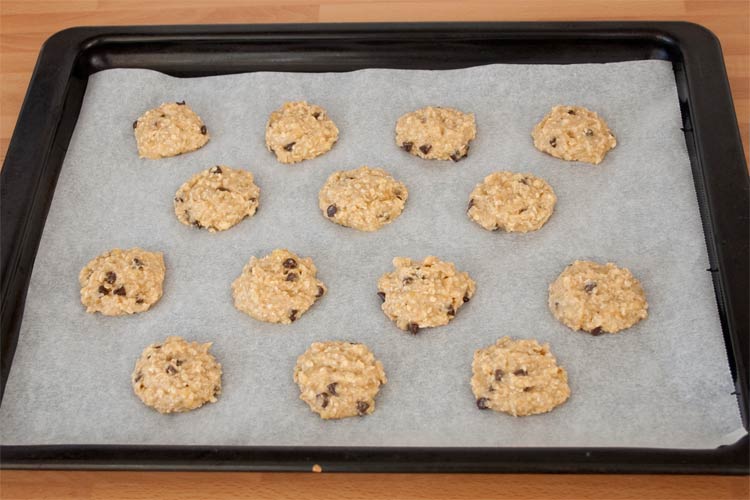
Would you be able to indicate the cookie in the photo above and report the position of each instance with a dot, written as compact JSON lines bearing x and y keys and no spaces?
{"x":597,"y":298}
{"x":277,"y":288}
{"x":216,"y":198}
{"x":300,"y":131}
{"x":339,"y":379}
{"x":518,"y":377}
{"x":423,"y":294}
{"x":177,"y":376}
{"x":365,"y":199}
{"x":435,"y":133}
{"x":169,"y":130}
{"x":122,"y":281}
{"x":511,"y":202}
{"x":574,"y":133}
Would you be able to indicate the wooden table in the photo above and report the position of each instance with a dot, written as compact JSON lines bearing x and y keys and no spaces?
{"x":25,"y":24}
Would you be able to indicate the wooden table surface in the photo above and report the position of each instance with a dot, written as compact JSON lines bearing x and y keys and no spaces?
{"x":25,"y":24}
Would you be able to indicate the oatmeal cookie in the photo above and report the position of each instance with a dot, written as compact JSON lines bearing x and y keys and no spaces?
{"x":122,"y":281}
{"x":339,"y":379}
{"x":436,"y":133}
{"x":300,"y":131}
{"x":177,"y":376}
{"x":574,"y":133}
{"x":365,"y":198}
{"x":597,"y":298}
{"x":169,"y":130}
{"x":518,"y":377}
{"x":423,"y":294}
{"x":277,"y":288}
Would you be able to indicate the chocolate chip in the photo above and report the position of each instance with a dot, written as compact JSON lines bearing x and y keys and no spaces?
{"x":482,"y":403}
{"x":451,"y":310}
{"x":323,"y":399}
{"x":553,"y":142}
{"x":332,"y":388}
{"x":111,"y":277}
{"x":362,"y":407}
{"x":588,"y":132}
{"x":216,"y":390}
{"x":466,"y":298}
{"x":157,"y":346}
{"x":137,"y":262}
{"x":320,"y":293}
{"x":171,"y":369}
{"x":291,"y":277}
{"x":138,"y":377}
{"x":413,"y":328}
{"x":499,"y":374}
{"x":120,"y":291}
{"x":179,"y":362}
{"x":596,"y":331}
{"x":406,"y":146}
{"x":289,"y":146}
{"x":525,"y":180}
{"x":290,"y":264}
{"x":135,"y":124}
{"x":180,"y":103}
{"x":491,"y":388}
{"x":471,"y":204}
{"x":316,"y":115}
{"x":382,"y":296}
{"x":407,"y":280}
{"x":528,"y":389}
{"x":216,"y":170}
{"x":222,"y":188}
{"x":520,"y":372}
{"x":179,"y":199}
{"x":139,"y":300}
{"x":571,"y":112}
{"x":425,"y":148}
{"x":456,"y":156}
{"x":203,"y":129}
{"x":197,"y":225}
{"x":331,"y":210}
{"x":103,"y":291}
{"x":589,"y":287}
{"x":293,"y":315}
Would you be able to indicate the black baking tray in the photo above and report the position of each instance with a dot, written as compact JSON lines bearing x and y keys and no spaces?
{"x":50,"y":110}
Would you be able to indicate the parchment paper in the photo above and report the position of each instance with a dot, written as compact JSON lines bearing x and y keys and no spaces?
{"x":663,"y":383}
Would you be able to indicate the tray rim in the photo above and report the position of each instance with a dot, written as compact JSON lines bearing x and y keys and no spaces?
{"x":701,"y":56}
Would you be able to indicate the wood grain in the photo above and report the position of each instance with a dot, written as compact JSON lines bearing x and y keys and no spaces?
{"x":24,"y":25}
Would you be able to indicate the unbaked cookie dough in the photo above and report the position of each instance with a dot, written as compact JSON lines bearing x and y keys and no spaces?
{"x":216,"y":198}
{"x":597,"y":298}
{"x":574,"y":133}
{"x":177,"y":376}
{"x":122,"y":281}
{"x":277,"y":288}
{"x":365,"y":198}
{"x":169,"y":130}
{"x":423,"y":294}
{"x":518,"y":377}
{"x":300,"y":131}
{"x":339,"y":379}
{"x":436,"y":133}
{"x":512,"y":202}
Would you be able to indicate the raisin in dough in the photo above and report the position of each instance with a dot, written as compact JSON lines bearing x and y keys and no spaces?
{"x":277,"y":288}
{"x":177,"y":376}
{"x":597,"y":298}
{"x":300,"y":131}
{"x":518,"y":377}
{"x":512,"y":202}
{"x":435,"y":133}
{"x":365,"y":198}
{"x":122,"y":281}
{"x":169,"y":130}
{"x":423,"y":294}
{"x":574,"y":133}
{"x":216,"y":198}
{"x":339,"y":379}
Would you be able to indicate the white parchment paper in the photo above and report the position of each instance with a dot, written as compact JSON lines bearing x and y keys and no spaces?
{"x":663,"y":383}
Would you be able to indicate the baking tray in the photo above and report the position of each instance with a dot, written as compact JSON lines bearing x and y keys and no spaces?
{"x":49,"y":115}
